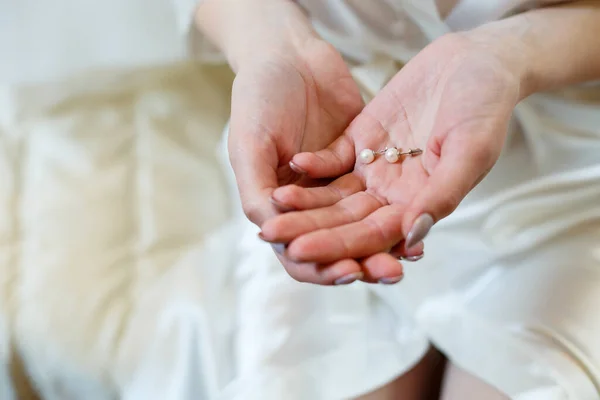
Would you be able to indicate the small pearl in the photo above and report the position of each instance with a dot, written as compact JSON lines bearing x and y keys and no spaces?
{"x":391,"y":155}
{"x":367,"y":156}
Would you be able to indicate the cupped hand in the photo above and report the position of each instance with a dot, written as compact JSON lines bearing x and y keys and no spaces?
{"x":297,"y":100}
{"x":454,"y":101}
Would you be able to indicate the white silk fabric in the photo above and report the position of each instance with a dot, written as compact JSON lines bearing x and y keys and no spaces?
{"x":128,"y":272}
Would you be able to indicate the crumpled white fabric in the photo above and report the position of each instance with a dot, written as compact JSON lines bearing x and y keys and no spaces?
{"x":109,"y":186}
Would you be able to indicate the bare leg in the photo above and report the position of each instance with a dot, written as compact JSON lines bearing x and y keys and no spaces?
{"x":420,"y":383}
{"x":460,"y":385}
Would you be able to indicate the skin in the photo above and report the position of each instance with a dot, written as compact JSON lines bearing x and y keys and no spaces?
{"x":315,"y":102}
{"x":437,"y":102}
{"x":293,"y":97}
{"x":294,"y":93}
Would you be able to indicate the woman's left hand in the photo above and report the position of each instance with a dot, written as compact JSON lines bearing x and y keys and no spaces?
{"x":453,"y":100}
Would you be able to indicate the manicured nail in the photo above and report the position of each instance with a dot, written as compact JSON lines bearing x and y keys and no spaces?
{"x":419,"y":230}
{"x":392,"y":280}
{"x":296,"y":168}
{"x":348,"y":279}
{"x":414,"y":258}
{"x":280,"y":206}
{"x":279,"y":247}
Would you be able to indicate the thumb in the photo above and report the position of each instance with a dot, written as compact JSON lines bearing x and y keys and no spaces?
{"x":256,"y":175}
{"x":463,"y":163}
{"x":335,"y":160}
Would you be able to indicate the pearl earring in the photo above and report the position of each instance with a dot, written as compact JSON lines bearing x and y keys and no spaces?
{"x":367,"y":156}
{"x":392,"y":154}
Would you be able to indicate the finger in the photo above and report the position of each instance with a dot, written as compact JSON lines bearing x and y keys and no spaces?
{"x":415,"y":253}
{"x":382,"y":268}
{"x":256,"y":176}
{"x":343,"y":272}
{"x":376,"y":233}
{"x":459,"y":168}
{"x":335,"y":160}
{"x":286,"y":227}
{"x":294,"y":197}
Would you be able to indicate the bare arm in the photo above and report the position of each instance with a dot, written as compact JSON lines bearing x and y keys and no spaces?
{"x":549,"y":47}
{"x":248,"y":30}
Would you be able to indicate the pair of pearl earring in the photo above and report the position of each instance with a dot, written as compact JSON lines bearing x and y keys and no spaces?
{"x":392,"y":154}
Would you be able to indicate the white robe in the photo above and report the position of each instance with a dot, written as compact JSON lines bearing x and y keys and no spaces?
{"x":110,"y":288}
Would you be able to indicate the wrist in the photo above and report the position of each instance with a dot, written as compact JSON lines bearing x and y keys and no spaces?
{"x":502,"y":41}
{"x":247,"y":32}
{"x":549,"y":47}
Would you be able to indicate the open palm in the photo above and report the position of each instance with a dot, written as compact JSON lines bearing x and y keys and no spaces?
{"x":288,"y":102}
{"x":282,"y":104}
{"x":454,"y":101}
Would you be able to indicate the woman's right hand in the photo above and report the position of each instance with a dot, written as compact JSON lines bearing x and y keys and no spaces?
{"x":292,"y":93}
{"x":300,"y":99}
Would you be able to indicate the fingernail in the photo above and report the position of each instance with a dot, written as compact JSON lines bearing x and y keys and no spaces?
{"x":414,"y":258}
{"x":419,"y":230}
{"x":279,"y":247}
{"x":280,"y":206}
{"x":392,"y":280}
{"x":348,"y":279}
{"x":296,"y":168}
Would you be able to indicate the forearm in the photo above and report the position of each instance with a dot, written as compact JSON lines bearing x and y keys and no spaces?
{"x":551,"y":47}
{"x":247,"y":30}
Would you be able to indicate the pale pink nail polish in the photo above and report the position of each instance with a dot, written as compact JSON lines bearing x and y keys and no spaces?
{"x":391,"y":280}
{"x":348,"y":279}
{"x":296,"y":168}
{"x":280,"y":206}
{"x":414,"y":258}
{"x":419,"y":230}
{"x":278,"y":247}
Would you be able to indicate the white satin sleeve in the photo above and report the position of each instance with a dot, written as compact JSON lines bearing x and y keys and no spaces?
{"x":198,"y":46}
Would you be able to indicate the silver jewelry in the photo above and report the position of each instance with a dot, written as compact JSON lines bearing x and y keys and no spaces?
{"x":392,"y":154}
